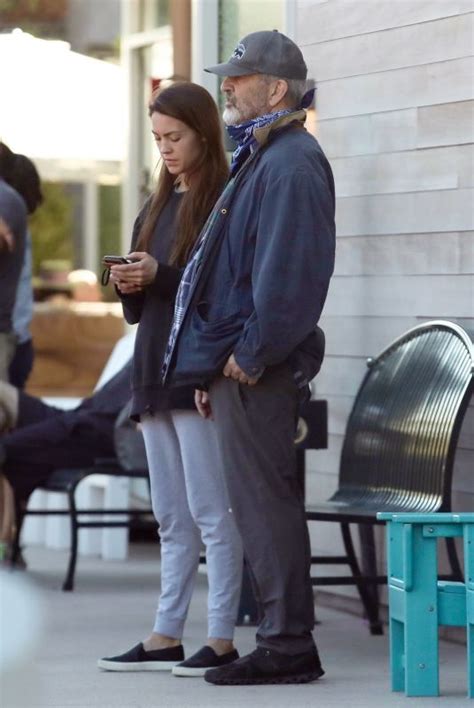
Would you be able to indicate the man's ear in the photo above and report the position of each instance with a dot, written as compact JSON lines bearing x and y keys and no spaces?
{"x":278,"y":91}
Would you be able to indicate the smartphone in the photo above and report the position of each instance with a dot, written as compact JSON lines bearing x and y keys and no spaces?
{"x":115,"y":260}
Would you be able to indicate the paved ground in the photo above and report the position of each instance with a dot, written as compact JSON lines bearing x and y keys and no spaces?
{"x":112,"y":608}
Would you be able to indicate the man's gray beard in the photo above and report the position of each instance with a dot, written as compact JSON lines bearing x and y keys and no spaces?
{"x":231,"y":116}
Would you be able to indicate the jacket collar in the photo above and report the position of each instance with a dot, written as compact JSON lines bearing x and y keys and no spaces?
{"x":261,"y":134}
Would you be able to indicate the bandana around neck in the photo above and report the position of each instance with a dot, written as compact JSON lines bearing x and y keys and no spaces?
{"x":243,"y":135}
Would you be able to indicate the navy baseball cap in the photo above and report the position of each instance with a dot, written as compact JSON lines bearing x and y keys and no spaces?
{"x":267,"y":52}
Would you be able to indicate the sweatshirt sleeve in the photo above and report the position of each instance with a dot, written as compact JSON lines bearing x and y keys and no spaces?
{"x":167,"y":280}
{"x":294,"y":260}
{"x":165,"y":284}
{"x":132,"y":304}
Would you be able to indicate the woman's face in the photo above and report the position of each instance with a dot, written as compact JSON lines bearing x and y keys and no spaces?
{"x":179,"y":145}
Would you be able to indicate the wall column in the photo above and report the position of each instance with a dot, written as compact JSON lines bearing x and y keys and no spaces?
{"x":205,"y":43}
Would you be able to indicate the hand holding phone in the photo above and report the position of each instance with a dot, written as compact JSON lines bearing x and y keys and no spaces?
{"x":115,"y":260}
{"x":140,"y":272}
{"x":110,"y":261}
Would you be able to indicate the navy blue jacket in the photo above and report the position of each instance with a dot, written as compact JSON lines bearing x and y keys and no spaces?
{"x":266,"y":267}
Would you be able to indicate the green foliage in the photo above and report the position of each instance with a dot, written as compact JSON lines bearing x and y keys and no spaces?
{"x":51,"y":226}
{"x":29,"y":9}
{"x":109,"y":230}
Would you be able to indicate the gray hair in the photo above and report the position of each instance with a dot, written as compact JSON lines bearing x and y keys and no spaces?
{"x":296,"y":89}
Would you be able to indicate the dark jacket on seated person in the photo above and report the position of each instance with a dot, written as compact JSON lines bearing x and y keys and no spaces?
{"x":47,"y":438}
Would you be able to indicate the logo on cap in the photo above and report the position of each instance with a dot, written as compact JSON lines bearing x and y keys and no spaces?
{"x":238,"y":52}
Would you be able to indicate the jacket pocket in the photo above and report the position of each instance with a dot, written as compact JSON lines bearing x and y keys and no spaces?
{"x":216,"y":316}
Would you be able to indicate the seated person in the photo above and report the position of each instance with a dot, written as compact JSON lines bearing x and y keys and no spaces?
{"x":38,"y":438}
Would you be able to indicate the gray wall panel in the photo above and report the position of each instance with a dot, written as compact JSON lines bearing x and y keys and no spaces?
{"x":446,"y":124}
{"x":393,"y":131}
{"x":410,"y":254}
{"x":449,"y":38}
{"x":395,"y":116}
{"x":466,"y":436}
{"x":464,"y":471}
{"x":426,"y":85}
{"x":407,"y":171}
{"x":422,"y":212}
{"x":320,"y":22}
{"x":434,"y":296}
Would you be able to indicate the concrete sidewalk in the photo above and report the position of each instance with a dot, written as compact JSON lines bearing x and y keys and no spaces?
{"x":112,"y":608}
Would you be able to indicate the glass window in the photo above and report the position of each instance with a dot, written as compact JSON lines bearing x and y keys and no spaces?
{"x":240,"y":17}
{"x":153,"y":13}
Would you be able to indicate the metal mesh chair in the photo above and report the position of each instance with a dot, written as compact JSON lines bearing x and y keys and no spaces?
{"x":130,"y":461}
{"x":399,"y":446}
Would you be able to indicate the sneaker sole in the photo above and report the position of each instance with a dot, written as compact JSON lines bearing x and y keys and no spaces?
{"x":135,"y":665}
{"x":189,"y":671}
{"x":299,"y":678}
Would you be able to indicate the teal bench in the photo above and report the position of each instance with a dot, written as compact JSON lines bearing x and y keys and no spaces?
{"x":419,"y":602}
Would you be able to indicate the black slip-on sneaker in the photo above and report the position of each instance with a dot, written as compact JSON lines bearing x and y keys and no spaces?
{"x":264,"y":666}
{"x":138,"y":659}
{"x":204,"y":659}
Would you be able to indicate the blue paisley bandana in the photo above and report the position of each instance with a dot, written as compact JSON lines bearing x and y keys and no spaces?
{"x":243,"y":135}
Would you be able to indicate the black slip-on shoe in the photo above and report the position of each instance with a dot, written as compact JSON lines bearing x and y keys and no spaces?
{"x":204,"y":659}
{"x":264,"y":666}
{"x":138,"y":659}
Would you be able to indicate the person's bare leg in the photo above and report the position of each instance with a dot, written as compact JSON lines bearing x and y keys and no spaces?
{"x":160,"y":641}
{"x":220,"y":646}
{"x":7,"y":512}
{"x":9,"y":400}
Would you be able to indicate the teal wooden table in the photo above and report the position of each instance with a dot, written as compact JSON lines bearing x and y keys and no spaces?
{"x":419,"y":602}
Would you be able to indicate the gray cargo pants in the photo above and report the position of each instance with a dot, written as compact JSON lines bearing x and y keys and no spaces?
{"x":256,"y":428}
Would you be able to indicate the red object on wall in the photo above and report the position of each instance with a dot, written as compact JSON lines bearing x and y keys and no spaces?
{"x":155,"y":83}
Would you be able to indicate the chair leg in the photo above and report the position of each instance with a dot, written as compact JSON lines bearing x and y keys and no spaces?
{"x":19,"y":518}
{"x":371,"y":608}
{"x":421,"y":655}
{"x":420,"y":593}
{"x":397,"y":652}
{"x":369,"y":569}
{"x":469,"y":566}
{"x":454,"y":559}
{"x":470,"y":656}
{"x":69,"y":579}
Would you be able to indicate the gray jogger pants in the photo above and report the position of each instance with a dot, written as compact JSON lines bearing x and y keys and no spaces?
{"x":190,"y":503}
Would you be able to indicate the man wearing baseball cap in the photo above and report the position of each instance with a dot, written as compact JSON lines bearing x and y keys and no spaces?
{"x":245,"y":333}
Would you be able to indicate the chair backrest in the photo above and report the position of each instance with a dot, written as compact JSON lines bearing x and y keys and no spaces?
{"x":121,"y":353}
{"x":401,"y":437}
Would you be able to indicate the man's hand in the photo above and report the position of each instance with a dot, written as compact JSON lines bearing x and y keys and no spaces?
{"x":203,"y":403}
{"x":133,"y":277}
{"x":232,"y":370}
{"x":7,"y":242}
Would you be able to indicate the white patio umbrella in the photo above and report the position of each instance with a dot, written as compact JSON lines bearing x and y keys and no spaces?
{"x":56,"y":104}
{"x":65,"y":111}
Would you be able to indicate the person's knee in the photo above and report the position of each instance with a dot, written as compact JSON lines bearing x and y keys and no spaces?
{"x":214,"y":523}
{"x":177,"y":527}
{"x":9,"y":403}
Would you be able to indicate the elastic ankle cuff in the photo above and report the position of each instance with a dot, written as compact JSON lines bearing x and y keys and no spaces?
{"x":169,"y":627}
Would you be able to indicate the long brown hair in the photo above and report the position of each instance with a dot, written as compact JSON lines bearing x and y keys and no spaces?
{"x":195,"y":107}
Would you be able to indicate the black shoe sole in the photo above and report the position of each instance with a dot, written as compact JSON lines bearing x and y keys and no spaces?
{"x":297,"y":678}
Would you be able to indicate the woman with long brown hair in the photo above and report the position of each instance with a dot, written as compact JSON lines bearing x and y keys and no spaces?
{"x":189,"y":496}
